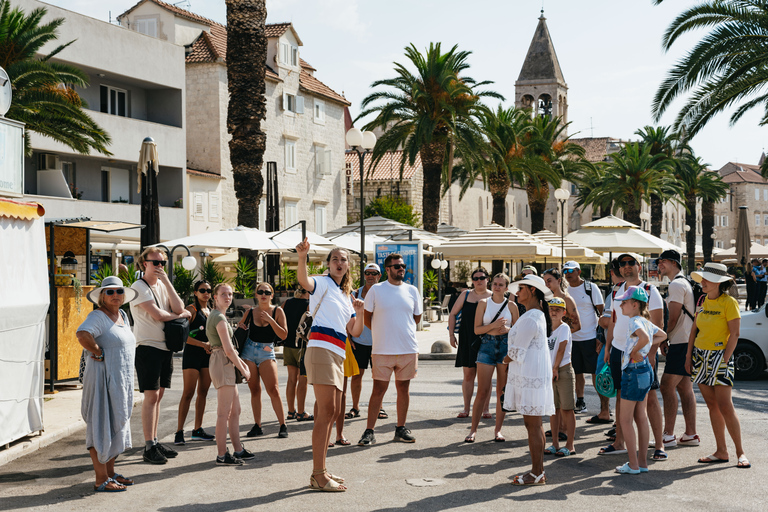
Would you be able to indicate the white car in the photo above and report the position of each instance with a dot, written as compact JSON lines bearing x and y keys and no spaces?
{"x":752,"y":351}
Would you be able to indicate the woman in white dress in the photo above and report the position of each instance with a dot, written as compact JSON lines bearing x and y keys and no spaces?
{"x":529,"y":377}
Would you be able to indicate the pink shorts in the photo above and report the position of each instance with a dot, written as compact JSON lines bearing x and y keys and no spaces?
{"x":405,"y":366}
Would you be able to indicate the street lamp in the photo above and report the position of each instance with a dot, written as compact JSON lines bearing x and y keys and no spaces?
{"x":645,"y":217}
{"x":439,"y":265}
{"x":562,"y":196}
{"x":357,"y":139}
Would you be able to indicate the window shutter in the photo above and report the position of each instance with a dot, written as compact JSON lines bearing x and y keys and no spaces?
{"x":198,"y":205}
{"x":299,"y":104}
{"x":294,"y":55}
{"x":213,"y":206}
{"x":327,"y":162}
{"x":285,"y":101}
{"x":284,"y":53}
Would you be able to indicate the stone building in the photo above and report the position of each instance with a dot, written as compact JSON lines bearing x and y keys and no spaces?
{"x":746,"y":188}
{"x":304,"y":124}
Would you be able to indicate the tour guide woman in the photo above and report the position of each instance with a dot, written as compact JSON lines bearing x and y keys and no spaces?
{"x":529,"y":377}
{"x":107,"y":399}
{"x":335,"y":313}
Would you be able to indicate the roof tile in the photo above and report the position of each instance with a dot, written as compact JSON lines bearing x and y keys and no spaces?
{"x":387,"y":169}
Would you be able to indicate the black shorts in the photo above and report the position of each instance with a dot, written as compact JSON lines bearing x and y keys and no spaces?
{"x":363,"y":355}
{"x":615,"y":363}
{"x":153,"y":368}
{"x":302,"y":368}
{"x":584,"y":356}
{"x":675,"y":364}
{"x":194,"y":358}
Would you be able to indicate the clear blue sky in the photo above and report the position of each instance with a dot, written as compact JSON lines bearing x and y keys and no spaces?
{"x":609,"y":51}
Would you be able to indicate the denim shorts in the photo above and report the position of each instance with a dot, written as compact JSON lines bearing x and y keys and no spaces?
{"x":492,"y":349}
{"x":636,"y":381}
{"x":258,"y":352}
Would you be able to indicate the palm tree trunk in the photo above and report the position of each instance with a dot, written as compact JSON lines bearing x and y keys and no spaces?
{"x":632,"y":214}
{"x":690,"y":236}
{"x":498,"y":182}
{"x":432,"y":164}
{"x":537,"y":204}
{"x":606,"y":210}
{"x":657,"y":212}
{"x":246,"y":61}
{"x":707,"y":226}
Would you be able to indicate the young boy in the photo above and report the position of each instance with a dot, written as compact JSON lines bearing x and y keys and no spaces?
{"x":564,"y":380}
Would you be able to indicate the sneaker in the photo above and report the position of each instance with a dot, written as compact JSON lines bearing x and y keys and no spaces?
{"x":283,"y":431}
{"x":670,"y":440}
{"x":179,"y":439}
{"x":581,"y":406}
{"x":368,"y":438}
{"x":404,"y":435}
{"x":686,"y":440}
{"x":228,"y":460}
{"x":244,"y":454}
{"x":201,"y":435}
{"x":168,"y":452}
{"x":154,"y":456}
{"x":255,"y":431}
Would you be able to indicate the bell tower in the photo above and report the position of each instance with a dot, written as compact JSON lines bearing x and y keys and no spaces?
{"x":541,"y":86}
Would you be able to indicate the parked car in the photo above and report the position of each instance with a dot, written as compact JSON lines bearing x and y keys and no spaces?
{"x":752,"y":351}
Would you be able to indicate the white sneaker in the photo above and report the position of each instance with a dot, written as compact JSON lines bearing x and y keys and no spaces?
{"x":670,"y":440}
{"x":686,"y":440}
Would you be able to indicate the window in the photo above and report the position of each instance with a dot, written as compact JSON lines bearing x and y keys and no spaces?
{"x":765,"y":219}
{"x":717,"y":221}
{"x":765,"y":194}
{"x":213,"y":206}
{"x":757,"y":219}
{"x":724,"y":221}
{"x":114,"y":101}
{"x":289,"y":54}
{"x":69,"y":172}
{"x":146,"y":26}
{"x":319,"y":111}
{"x":291,"y":213}
{"x":320,"y":219}
{"x":293,"y":103}
{"x":197,"y":205}
{"x":757,"y":194}
{"x":322,"y":161}
{"x":290,"y":156}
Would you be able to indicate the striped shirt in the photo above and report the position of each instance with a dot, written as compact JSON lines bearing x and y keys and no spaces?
{"x":329,"y":326}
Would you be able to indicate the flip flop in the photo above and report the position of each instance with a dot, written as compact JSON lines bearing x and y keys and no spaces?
{"x":711,"y":459}
{"x":343,"y":442}
{"x":117,"y":477}
{"x":743,"y":463}
{"x":103,"y":487}
{"x":462,"y":414}
{"x":470,"y":438}
{"x":596,"y":420}
{"x":611,"y":450}
{"x":564,"y":452}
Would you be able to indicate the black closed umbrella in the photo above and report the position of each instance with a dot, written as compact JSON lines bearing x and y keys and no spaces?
{"x":149,"y":166}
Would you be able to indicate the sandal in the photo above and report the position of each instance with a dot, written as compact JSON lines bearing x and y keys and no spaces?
{"x":383,"y":414}
{"x":470,"y":438}
{"x":343,"y":442}
{"x":611,"y":450}
{"x":487,"y":416}
{"x":499,"y":438}
{"x":660,"y":455}
{"x":117,"y":477}
{"x":743,"y":462}
{"x":303,"y":416}
{"x":353,"y":413}
{"x":463,"y":414}
{"x":331,"y":486}
{"x":597,"y":420}
{"x":550,"y":451}
{"x":711,"y":459}
{"x":564,"y":452}
{"x":291,"y":415}
{"x":116,"y":487}
{"x":537,"y":480}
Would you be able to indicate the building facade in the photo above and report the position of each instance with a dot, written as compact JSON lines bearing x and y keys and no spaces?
{"x":747,"y":188}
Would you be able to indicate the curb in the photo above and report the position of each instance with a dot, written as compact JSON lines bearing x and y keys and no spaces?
{"x":32,"y":443}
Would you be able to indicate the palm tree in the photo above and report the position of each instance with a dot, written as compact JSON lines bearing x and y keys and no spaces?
{"x":587,"y":182}
{"x":246,"y":61}
{"x":432,"y":113}
{"x":548,"y":158}
{"x":698,"y":182}
{"x":728,"y":66}
{"x":44,"y":96}
{"x":661,"y":142}
{"x":630,"y":178}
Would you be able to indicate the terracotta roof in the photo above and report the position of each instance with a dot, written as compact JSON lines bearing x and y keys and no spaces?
{"x":175,"y":10}
{"x":276,"y":29}
{"x":388,"y":168}
{"x":596,"y":147}
{"x":306,"y":65}
{"x":205,"y":174}
{"x":212,"y":47}
{"x":734,"y":172}
{"x":311,"y":84}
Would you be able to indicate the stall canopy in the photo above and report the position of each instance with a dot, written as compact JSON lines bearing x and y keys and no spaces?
{"x":493,"y":242}
{"x":390,"y":229}
{"x":573,"y":251}
{"x":611,"y":234}
{"x":755,"y":251}
{"x":234,"y":238}
{"x":23,"y":307}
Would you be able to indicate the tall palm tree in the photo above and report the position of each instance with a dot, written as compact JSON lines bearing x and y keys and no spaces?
{"x":432,"y":113}
{"x":697,"y":182}
{"x":44,"y":94}
{"x":630,"y":178}
{"x":246,"y":61}
{"x":662,"y":142}
{"x":728,"y":66}
{"x":587,"y":182}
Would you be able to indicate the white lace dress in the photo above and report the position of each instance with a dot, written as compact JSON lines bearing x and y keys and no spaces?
{"x":529,"y":378}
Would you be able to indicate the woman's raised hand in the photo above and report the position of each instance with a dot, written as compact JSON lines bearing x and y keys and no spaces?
{"x":303,"y":248}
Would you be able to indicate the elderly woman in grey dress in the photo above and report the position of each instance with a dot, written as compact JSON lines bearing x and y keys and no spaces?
{"x":108,"y":381}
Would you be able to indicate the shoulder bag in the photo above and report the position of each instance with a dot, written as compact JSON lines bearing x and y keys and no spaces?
{"x":479,"y":339}
{"x":305,"y":324}
{"x":241,"y":334}
{"x":176,"y":330}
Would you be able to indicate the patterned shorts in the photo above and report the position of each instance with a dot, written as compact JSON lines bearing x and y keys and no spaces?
{"x":708,"y":368}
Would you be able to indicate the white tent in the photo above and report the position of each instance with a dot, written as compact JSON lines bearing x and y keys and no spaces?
{"x":234,"y":238}
{"x":755,"y":251}
{"x":573,"y":251}
{"x":493,"y":242}
{"x":23,"y":307}
{"x":611,"y":234}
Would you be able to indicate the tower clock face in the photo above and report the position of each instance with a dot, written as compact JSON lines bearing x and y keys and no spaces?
{"x":5,"y":92}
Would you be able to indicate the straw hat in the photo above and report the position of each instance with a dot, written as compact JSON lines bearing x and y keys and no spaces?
{"x":534,"y":281}
{"x":712,"y":272}
{"x":112,"y":282}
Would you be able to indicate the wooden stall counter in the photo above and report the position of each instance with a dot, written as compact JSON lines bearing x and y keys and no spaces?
{"x":69,"y":318}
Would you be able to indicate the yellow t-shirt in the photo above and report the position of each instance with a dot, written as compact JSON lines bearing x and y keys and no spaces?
{"x":712,"y":322}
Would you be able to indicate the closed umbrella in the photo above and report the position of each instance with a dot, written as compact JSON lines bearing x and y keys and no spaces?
{"x":149,"y":166}
{"x":742,"y":237}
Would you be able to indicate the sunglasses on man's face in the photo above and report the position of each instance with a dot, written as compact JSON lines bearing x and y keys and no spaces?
{"x":624,"y":263}
{"x":479,"y":278}
{"x":371,"y":273}
{"x":569,"y":271}
{"x":398,"y":266}
{"x":113,"y":291}
{"x":264,"y":292}
{"x":204,"y":290}
{"x":157,"y":263}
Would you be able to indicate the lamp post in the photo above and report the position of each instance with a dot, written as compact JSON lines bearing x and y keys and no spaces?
{"x":188,"y":262}
{"x":439,"y":264}
{"x":645,"y":217}
{"x":357,"y":139}
{"x":562,"y":196}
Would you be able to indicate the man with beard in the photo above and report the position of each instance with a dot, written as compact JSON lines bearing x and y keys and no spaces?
{"x":392,"y":311}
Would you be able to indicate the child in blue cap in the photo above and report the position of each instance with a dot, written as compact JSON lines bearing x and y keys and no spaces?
{"x":636,"y":377}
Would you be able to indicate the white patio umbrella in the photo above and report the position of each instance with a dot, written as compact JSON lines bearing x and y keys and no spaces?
{"x":351,"y":241}
{"x":755,"y":251}
{"x":493,"y":242}
{"x":573,"y":251}
{"x":234,"y":238}
{"x":611,"y":234}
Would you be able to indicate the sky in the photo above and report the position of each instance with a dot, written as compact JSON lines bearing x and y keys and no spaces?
{"x":609,"y":51}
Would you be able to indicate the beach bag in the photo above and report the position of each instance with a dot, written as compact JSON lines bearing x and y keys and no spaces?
{"x":305,"y":323}
{"x":605,"y":382}
{"x":457,"y":325}
{"x":241,"y":334}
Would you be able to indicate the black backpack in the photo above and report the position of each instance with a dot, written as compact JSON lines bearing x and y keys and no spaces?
{"x":697,"y":294}
{"x":600,"y":332}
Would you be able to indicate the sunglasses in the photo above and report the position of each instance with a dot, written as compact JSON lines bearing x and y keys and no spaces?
{"x":624,"y":263}
{"x":479,"y":278}
{"x":371,"y":273}
{"x":113,"y":291}
{"x":398,"y":266}
{"x":569,"y":271}
{"x":157,"y":263}
{"x":264,"y":292}
{"x":204,"y":290}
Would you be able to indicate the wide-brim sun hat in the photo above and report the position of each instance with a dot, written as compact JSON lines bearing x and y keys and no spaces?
{"x":112,"y":282}
{"x":534,"y":281}
{"x":712,"y":272}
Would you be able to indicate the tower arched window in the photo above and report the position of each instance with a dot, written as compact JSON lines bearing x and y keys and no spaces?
{"x":545,"y":106}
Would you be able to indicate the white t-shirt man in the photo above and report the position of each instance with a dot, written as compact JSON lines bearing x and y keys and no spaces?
{"x":621,"y":325}
{"x":392,"y":325}
{"x":680,"y":291}
{"x":147,"y":330}
{"x":586,"y":308}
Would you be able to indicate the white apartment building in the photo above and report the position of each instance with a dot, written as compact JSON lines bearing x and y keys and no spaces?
{"x":304,"y":124}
